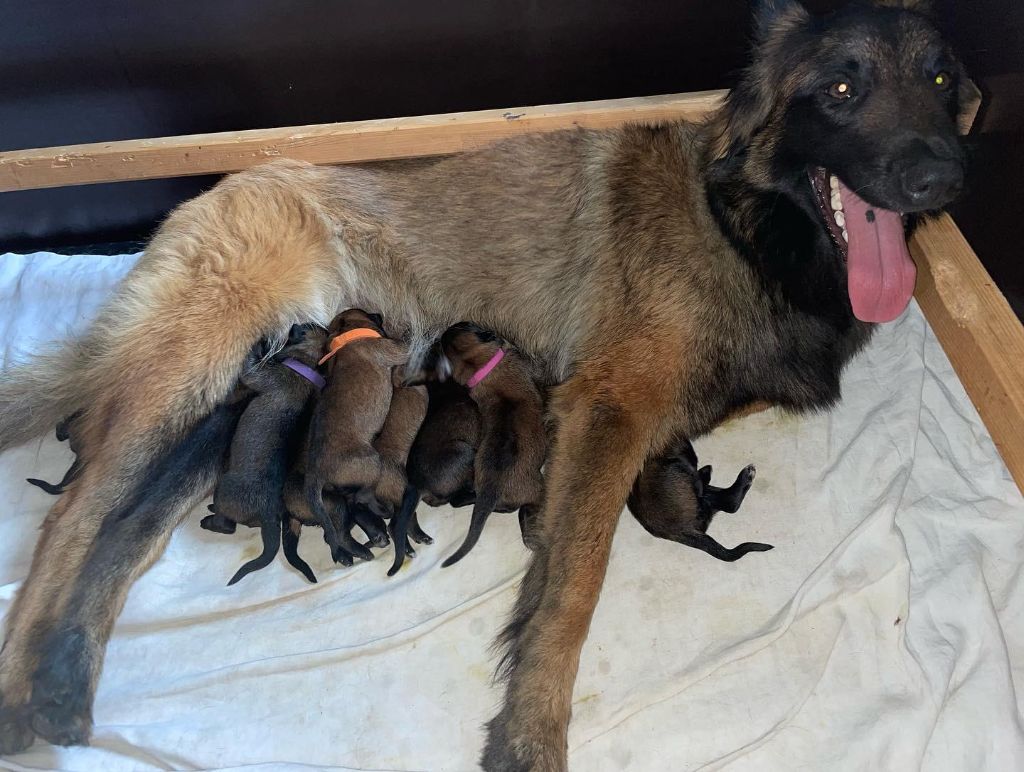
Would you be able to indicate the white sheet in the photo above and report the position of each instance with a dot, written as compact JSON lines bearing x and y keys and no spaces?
{"x":885,"y":631}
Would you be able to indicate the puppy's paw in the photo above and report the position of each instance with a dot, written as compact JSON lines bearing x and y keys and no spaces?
{"x":746,"y":478}
{"x":15,"y":733}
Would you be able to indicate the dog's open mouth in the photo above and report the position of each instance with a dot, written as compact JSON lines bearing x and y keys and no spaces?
{"x":880,"y":273}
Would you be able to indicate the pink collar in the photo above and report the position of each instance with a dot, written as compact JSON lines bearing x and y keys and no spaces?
{"x":484,"y":371}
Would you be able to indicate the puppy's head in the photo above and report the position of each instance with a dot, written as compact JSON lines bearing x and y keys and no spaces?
{"x":464,"y":349}
{"x":305,"y":343}
{"x":355,"y":318}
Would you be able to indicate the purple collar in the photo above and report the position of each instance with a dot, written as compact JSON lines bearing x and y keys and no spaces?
{"x":305,"y":371}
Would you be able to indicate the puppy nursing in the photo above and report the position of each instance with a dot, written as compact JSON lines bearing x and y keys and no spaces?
{"x":251,"y":491}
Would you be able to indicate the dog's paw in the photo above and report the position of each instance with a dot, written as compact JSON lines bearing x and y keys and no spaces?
{"x":60,"y":708}
{"x":509,"y":750}
{"x":746,"y":478}
{"x":15,"y":733}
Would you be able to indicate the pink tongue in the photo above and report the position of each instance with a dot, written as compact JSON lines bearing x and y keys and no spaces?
{"x":880,"y":273}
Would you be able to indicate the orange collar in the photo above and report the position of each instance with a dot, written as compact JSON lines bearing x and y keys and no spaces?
{"x":338,"y":342}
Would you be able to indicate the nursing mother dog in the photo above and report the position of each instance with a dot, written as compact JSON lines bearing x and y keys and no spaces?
{"x":664,"y":277}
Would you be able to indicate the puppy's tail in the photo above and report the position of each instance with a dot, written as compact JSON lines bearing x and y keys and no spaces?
{"x":38,"y":395}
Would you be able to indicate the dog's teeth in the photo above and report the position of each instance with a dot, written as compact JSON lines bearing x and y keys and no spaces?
{"x":833,"y":182}
{"x":846,"y":236}
{"x":840,"y":219}
{"x":836,"y":202}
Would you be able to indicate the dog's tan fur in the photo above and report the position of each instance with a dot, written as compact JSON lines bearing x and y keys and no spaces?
{"x":554,"y":242}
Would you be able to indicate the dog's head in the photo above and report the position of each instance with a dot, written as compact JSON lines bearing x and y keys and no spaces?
{"x":856,"y":118}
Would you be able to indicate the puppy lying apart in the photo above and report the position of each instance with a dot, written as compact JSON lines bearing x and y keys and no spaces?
{"x":63,"y":433}
{"x":251,"y":491}
{"x":347,"y":419}
{"x":673,"y":499}
{"x":512,"y":442}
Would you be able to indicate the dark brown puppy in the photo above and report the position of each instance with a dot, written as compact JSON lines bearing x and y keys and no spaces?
{"x":673,"y":499}
{"x":513,"y":441}
{"x":441,"y":458}
{"x":393,"y":496}
{"x":347,"y":418}
{"x":63,"y":433}
{"x":251,"y":492}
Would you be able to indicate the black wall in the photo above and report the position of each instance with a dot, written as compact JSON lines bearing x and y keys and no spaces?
{"x":88,"y":71}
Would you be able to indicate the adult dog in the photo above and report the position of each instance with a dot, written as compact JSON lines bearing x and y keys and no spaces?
{"x":663,"y":276}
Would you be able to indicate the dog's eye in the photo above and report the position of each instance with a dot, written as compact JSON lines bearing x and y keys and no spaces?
{"x":840,"y":90}
{"x":943,"y":80}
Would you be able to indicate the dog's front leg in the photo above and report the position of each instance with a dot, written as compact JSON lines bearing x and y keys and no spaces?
{"x":609,"y":418}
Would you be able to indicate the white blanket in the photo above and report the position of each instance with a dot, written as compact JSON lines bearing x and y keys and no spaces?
{"x":885,"y":631}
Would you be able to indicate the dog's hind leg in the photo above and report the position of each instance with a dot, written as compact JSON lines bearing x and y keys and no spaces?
{"x":55,"y":489}
{"x":705,"y":543}
{"x":290,"y":530}
{"x":130,"y":538}
{"x":416,"y":532}
{"x":729,"y":499}
{"x":482,"y":508}
{"x":400,"y":527}
{"x":618,"y":403}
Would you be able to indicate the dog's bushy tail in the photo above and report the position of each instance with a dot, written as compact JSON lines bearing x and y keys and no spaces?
{"x":37,"y":395}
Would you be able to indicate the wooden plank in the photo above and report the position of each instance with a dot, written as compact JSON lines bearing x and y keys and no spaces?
{"x":982,"y":336}
{"x":329,"y":143}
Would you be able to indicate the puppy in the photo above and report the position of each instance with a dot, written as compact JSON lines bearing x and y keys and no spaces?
{"x":513,"y":442}
{"x":673,"y":499}
{"x":349,"y":415}
{"x":392,"y":491}
{"x":251,"y":491}
{"x":63,"y":433}
{"x":441,"y":458}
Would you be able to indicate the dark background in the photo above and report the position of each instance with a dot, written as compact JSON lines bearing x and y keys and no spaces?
{"x":89,"y":70}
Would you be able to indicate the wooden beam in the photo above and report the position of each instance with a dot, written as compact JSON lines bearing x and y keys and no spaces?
{"x":982,"y":336}
{"x":329,"y":143}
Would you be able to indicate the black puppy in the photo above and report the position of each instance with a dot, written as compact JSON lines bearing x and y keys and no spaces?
{"x":673,"y":499}
{"x":251,"y":491}
{"x":441,"y":459}
{"x":63,"y":433}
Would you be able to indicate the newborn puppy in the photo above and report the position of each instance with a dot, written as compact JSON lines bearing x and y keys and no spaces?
{"x":63,"y":433}
{"x":513,"y":440}
{"x":672,"y":499}
{"x":441,"y":459}
{"x":347,"y":418}
{"x":251,"y":491}
{"x":392,"y":492}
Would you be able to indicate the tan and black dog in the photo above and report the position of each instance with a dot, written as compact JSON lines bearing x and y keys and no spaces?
{"x":251,"y":491}
{"x":662,"y":276}
{"x":348,"y":416}
{"x":673,"y":499}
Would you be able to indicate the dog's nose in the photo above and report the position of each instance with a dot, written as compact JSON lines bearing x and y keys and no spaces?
{"x":931,"y":176}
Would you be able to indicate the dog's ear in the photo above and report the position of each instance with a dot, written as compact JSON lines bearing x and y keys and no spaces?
{"x":969,"y":98}
{"x":296,"y":334}
{"x":377,"y":319}
{"x":773,"y":16}
{"x":750,"y":103}
{"x":923,"y":7}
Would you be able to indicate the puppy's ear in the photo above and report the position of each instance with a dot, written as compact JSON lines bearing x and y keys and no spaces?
{"x":377,"y":319}
{"x":296,"y":334}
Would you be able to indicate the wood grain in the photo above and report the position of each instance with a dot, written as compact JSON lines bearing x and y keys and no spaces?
{"x":981,"y":335}
{"x":330,"y":143}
